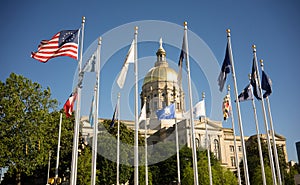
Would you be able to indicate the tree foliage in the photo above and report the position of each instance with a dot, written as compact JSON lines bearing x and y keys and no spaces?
{"x":253,"y":160}
{"x":24,"y":115}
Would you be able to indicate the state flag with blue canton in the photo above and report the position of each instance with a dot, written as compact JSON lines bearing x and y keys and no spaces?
{"x":63,"y":43}
{"x":246,"y":94}
{"x":183,"y":55}
{"x":166,"y":113}
{"x":224,"y":70}
{"x":253,"y":81}
{"x":266,"y":84}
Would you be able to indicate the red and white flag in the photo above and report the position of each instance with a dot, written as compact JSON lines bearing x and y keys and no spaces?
{"x":68,"y":107}
{"x":64,"y":43}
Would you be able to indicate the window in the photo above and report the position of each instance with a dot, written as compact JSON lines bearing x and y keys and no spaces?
{"x":232,"y":159}
{"x":240,"y":148}
{"x":197,"y":143}
{"x":216,"y":148}
{"x":231,"y":148}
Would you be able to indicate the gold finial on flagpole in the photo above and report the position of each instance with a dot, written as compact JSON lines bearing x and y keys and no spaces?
{"x":136,"y":29}
{"x":228,"y":32}
{"x":261,"y":62}
{"x":228,"y":87}
{"x":185,"y":24}
{"x":254,"y":47}
{"x":203,"y":95}
{"x":83,"y":19}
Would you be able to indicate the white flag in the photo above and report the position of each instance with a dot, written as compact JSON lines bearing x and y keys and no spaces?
{"x":90,"y":65}
{"x":142,"y":116}
{"x":129,"y":59}
{"x":198,"y":110}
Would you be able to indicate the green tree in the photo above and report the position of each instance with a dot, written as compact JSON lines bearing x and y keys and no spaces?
{"x":203,"y":174}
{"x":253,"y":161}
{"x":289,"y":177}
{"x":84,"y":167}
{"x":24,"y":114}
{"x":188,"y":175}
{"x":107,"y":148}
{"x":257,"y":177}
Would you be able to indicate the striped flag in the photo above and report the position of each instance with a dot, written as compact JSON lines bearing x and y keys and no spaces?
{"x":68,"y":106}
{"x":226,"y":107}
{"x":64,"y":43}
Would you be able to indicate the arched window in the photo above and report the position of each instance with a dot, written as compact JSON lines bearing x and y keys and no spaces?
{"x":216,"y":148}
{"x":197,"y":143}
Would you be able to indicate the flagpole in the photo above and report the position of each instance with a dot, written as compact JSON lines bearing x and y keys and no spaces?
{"x":48,"y":167}
{"x":238,"y":110}
{"x":195,"y":168}
{"x":118,"y":142}
{"x":273,"y":134}
{"x":265,"y":119}
{"x":258,"y":139}
{"x":77,"y":116}
{"x":207,"y":144}
{"x":176,"y":139}
{"x":136,"y":126}
{"x":95,"y":138}
{"x":58,"y":149}
{"x":146,"y":146}
{"x":234,"y":140}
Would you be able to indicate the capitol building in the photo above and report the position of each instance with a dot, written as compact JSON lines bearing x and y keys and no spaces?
{"x":160,"y":89}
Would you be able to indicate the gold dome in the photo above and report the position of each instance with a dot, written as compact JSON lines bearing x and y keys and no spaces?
{"x":162,"y":74}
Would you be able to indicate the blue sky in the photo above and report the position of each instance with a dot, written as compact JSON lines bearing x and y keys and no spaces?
{"x":272,"y":25}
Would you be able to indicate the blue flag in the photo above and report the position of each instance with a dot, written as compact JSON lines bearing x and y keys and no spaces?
{"x":266,"y":84}
{"x":224,"y":70}
{"x":115,"y":117}
{"x":183,"y":55}
{"x":246,"y":94}
{"x":253,"y":81}
{"x":166,"y":113}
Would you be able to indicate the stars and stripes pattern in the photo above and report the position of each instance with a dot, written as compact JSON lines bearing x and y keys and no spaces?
{"x":64,"y":43}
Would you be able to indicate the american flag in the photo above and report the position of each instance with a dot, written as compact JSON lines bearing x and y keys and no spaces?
{"x":64,"y":43}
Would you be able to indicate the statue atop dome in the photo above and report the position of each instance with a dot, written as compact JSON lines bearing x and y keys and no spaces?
{"x":160,"y":86}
